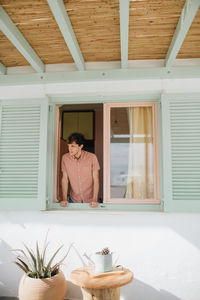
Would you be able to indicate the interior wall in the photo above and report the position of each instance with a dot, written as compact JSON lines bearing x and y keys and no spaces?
{"x":162,"y":250}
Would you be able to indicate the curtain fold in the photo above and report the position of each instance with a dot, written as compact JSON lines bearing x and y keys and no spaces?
{"x":140,"y":165}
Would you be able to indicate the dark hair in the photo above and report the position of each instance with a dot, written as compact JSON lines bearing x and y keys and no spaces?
{"x":76,"y":137}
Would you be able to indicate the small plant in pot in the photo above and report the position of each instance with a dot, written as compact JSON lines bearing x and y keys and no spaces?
{"x":42,"y":279}
{"x":103,"y":260}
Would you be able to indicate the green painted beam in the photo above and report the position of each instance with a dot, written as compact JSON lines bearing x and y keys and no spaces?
{"x":188,"y":13}
{"x":101,"y":75}
{"x":63,"y":21}
{"x":17,"y":39}
{"x":2,"y":69}
{"x":124,"y":30}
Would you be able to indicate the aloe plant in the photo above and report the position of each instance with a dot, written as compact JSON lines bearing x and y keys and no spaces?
{"x":34,"y":263}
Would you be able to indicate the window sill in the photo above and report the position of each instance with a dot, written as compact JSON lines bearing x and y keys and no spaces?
{"x":108,"y":207}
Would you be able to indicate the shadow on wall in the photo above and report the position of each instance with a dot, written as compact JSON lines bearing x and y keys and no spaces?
{"x":142,"y":291}
{"x":73,"y":291}
{"x":186,"y":225}
{"x":135,"y":290}
{"x":9,"y":275}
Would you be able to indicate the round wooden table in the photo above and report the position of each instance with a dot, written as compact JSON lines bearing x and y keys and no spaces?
{"x":101,"y":286}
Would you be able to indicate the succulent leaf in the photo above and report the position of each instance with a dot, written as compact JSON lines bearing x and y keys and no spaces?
{"x":33,"y":264}
{"x":51,"y":260}
{"x":24,"y":264}
{"x":20,"y":266}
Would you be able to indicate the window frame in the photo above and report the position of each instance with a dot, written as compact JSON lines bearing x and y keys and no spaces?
{"x":106,"y":150}
{"x":59,"y":101}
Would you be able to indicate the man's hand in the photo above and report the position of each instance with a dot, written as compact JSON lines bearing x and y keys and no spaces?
{"x":64,"y":203}
{"x":94,"y":204}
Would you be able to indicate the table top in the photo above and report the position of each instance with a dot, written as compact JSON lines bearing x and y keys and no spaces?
{"x":86,"y":277}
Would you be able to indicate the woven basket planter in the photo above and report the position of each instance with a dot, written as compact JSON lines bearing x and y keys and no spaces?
{"x":53,"y":288}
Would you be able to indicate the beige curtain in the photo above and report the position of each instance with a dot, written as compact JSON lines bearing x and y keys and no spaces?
{"x":140,"y":168}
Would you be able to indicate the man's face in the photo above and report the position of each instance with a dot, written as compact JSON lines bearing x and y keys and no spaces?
{"x":74,"y":149}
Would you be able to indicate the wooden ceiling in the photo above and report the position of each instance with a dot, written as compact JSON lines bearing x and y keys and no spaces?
{"x":96,"y":24}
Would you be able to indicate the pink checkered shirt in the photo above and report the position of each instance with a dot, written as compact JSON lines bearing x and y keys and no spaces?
{"x":80,"y":175}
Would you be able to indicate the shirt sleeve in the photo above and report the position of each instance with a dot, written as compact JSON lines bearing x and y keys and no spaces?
{"x":95,"y":163}
{"x":63,"y":167}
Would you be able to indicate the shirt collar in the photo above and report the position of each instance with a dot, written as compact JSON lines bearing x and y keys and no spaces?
{"x":80,"y":157}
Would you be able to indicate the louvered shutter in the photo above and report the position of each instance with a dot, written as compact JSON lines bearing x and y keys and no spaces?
{"x":181,"y":151}
{"x":23,"y":146}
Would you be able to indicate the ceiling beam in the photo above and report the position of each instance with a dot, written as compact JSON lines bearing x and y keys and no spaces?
{"x":124,"y":30}
{"x":101,"y":75}
{"x":2,"y":69}
{"x":63,"y":21}
{"x":17,"y":39}
{"x":187,"y":15}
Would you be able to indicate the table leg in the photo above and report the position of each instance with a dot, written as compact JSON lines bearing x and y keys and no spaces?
{"x":101,"y":294}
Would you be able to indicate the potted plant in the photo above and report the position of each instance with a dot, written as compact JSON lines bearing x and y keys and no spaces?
{"x":102,"y":260}
{"x":42,"y":279}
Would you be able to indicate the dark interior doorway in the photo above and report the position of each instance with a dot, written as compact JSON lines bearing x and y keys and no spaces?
{"x":88,"y":120}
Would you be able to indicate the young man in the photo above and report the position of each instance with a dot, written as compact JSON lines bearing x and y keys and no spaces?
{"x":80,"y":169}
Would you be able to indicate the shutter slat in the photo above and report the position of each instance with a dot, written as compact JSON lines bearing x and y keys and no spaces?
{"x":19,"y":151}
{"x":185,"y":150}
{"x":17,"y":195}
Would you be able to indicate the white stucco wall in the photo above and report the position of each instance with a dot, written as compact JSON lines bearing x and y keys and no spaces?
{"x":163,"y":250}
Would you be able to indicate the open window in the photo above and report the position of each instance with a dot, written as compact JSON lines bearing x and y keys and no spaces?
{"x":131,"y":171}
{"x":124,"y":137}
{"x":86,"y":119}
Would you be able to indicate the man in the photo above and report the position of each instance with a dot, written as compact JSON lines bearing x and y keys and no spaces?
{"x":80,"y":169}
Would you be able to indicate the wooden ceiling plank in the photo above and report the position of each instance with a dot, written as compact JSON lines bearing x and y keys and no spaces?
{"x":124,"y":30}
{"x":17,"y":39}
{"x":2,"y":69}
{"x":58,"y":9}
{"x":188,"y":13}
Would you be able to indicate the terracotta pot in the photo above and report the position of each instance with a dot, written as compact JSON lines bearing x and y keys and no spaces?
{"x":53,"y":288}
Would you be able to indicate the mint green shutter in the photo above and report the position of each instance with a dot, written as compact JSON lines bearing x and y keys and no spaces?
{"x":181,"y":153}
{"x":23,"y":147}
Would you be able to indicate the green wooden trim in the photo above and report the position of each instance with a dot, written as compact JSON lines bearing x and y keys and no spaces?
{"x":188,"y":13}
{"x":94,"y":99}
{"x":180,"y":96}
{"x":101,"y":75}
{"x":42,"y":178}
{"x":102,"y":206}
{"x":160,"y":151}
{"x":167,"y":172}
{"x":19,"y":204}
{"x":51,"y":154}
{"x":124,"y":31}
{"x":0,"y":116}
{"x":25,"y":101}
{"x":2,"y":69}
{"x":17,"y":39}
{"x":184,"y":207}
{"x":63,"y":21}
